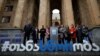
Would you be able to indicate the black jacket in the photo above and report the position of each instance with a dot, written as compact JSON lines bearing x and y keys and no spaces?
{"x":28,"y":28}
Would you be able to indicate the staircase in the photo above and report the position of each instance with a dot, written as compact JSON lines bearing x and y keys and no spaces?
{"x":12,"y":35}
{"x":16,"y":36}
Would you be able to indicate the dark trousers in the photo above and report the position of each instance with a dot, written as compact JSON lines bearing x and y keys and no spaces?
{"x":60,"y":39}
{"x":68,"y":39}
{"x":42,"y":38}
{"x":79,"y":39}
{"x":74,"y":40}
{"x":35,"y":40}
{"x":88,"y":38}
{"x":48,"y":38}
{"x":26,"y":37}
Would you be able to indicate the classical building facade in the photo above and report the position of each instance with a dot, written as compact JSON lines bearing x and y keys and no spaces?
{"x":17,"y":13}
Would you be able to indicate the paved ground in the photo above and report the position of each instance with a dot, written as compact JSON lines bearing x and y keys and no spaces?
{"x":50,"y":54}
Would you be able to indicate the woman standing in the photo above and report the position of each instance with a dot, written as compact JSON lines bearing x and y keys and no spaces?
{"x":72,"y":31}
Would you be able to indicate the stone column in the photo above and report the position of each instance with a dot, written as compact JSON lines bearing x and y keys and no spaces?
{"x":67,"y":11}
{"x":94,"y":12}
{"x":84,"y":15}
{"x":30,"y":11}
{"x":48,"y":14}
{"x":19,"y":13}
{"x":42,"y":13}
{"x":1,"y":4}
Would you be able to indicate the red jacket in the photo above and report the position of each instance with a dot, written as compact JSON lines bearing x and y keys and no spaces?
{"x":72,"y":31}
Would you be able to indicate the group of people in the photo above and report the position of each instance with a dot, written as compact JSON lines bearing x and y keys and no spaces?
{"x":30,"y":30}
{"x":74,"y":34}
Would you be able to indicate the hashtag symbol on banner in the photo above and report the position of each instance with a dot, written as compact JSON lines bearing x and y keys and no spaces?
{"x":5,"y":46}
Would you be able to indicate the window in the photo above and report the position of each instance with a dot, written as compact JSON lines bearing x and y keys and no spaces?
{"x":5,"y":19}
{"x":55,"y":14}
{"x":9,"y":1}
{"x":8,"y":8}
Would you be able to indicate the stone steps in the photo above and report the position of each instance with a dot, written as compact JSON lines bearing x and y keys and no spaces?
{"x":50,"y":54}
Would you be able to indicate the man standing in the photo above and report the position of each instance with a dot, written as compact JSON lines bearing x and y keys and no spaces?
{"x":42,"y":34}
{"x":27,"y":32}
{"x":62,"y":31}
{"x":85,"y":33}
{"x":79,"y":34}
